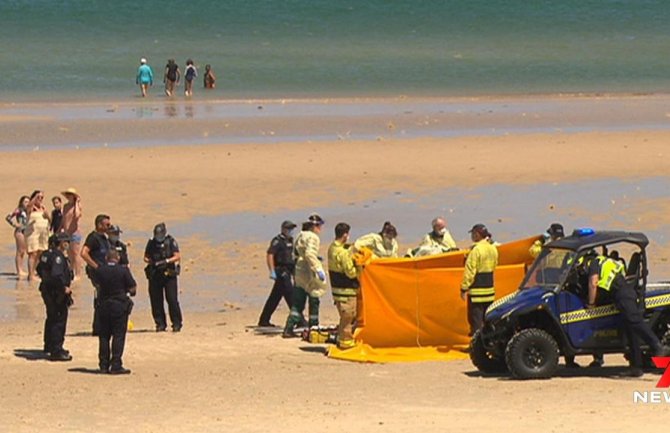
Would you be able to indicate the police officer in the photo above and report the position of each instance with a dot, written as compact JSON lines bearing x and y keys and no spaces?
{"x":93,"y":253}
{"x":477,"y":286}
{"x":56,"y":274}
{"x":281,"y":266}
{"x":310,"y":277}
{"x":114,"y":236}
{"x":116,"y":282}
{"x":342,"y":273}
{"x":162,"y":257}
{"x":554,"y":232}
{"x":608,"y":274}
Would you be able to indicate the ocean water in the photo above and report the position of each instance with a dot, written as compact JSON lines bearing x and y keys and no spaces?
{"x":90,"y":49}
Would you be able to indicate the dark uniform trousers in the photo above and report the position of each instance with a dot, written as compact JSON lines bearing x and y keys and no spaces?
{"x":476,"y":313}
{"x":162,"y":287}
{"x":90,"y":272}
{"x":625,"y":299}
{"x":282,"y":288}
{"x":112,"y":326}
{"x":56,"y":321}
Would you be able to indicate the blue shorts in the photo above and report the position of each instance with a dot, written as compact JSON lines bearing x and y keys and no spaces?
{"x":76,"y":237}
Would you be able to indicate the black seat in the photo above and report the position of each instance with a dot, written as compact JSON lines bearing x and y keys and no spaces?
{"x":634,"y":265}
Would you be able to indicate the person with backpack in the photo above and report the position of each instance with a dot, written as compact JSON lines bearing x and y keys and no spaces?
{"x":190,"y":74}
{"x":162,"y":258}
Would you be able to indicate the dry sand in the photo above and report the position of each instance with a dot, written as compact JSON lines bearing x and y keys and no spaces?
{"x":217,"y":375}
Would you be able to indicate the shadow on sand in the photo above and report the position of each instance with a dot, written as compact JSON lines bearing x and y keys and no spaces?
{"x":614,"y":372}
{"x":31,"y":354}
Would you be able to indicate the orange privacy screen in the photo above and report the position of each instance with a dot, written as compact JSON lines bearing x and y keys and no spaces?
{"x":411,"y":309}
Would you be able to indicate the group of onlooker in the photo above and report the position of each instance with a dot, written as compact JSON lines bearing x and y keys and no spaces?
{"x":33,"y":224}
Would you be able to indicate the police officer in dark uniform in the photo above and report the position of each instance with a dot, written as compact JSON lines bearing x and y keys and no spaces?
{"x":114,"y":306}
{"x":281,"y":265}
{"x":162,"y":257}
{"x":607,"y":274}
{"x":114,"y":236}
{"x":56,"y":274}
{"x":93,"y":253}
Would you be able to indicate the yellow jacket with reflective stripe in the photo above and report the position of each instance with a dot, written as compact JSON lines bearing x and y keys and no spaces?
{"x":375,"y":242}
{"x":445,"y":243}
{"x":478,"y":274}
{"x":609,"y":269}
{"x":342,"y":270}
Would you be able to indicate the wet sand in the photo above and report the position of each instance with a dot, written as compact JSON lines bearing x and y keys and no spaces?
{"x":517,"y":170}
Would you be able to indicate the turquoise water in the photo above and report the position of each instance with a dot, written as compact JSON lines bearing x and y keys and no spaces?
{"x":89,"y":49}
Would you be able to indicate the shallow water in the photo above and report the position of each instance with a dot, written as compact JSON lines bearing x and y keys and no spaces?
{"x":90,"y":49}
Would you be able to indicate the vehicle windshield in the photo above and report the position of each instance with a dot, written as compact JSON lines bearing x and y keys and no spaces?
{"x":549,"y":269}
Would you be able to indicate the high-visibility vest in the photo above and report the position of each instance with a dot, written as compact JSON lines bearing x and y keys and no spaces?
{"x":609,"y":269}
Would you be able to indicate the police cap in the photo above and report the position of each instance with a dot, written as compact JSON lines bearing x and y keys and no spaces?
{"x":288,"y":224}
{"x":556,"y":230}
{"x":114,"y":229}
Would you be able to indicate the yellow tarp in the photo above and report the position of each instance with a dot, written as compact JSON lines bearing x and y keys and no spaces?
{"x":410,"y":309}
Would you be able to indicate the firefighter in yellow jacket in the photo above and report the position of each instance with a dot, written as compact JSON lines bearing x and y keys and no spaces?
{"x":382,"y":244}
{"x":478,"y":287}
{"x":342,"y":273}
{"x":310,"y":278}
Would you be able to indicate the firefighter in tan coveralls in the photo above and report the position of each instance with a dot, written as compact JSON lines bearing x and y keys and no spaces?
{"x":477,"y":285}
{"x":342,"y":272}
{"x":310,"y":278}
{"x":382,"y":244}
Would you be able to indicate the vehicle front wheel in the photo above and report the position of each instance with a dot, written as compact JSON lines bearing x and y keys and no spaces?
{"x":532,"y":354}
{"x":482,"y":359}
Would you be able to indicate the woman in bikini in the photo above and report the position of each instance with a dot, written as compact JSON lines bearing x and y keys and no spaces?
{"x":18,"y":219}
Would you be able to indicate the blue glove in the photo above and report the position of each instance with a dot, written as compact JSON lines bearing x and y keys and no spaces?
{"x":273,"y":275}
{"x":321,"y":275}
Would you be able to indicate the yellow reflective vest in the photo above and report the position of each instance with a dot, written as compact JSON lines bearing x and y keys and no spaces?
{"x":609,"y":269}
{"x":342,"y":271}
{"x":478,"y":274}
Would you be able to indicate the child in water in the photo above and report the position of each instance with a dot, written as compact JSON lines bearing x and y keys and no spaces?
{"x":189,"y":74}
{"x":209,"y":77}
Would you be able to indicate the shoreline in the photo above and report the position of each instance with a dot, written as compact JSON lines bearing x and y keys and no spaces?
{"x":372,"y":98}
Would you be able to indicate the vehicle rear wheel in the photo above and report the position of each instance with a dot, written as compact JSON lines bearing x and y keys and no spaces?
{"x":484,"y":360}
{"x":532,"y":354}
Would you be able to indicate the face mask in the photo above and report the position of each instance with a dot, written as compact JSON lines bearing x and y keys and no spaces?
{"x":159,"y":238}
{"x":441,"y":232}
{"x":388,"y":242}
{"x":114,"y":238}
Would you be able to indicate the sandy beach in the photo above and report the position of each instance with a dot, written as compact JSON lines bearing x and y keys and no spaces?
{"x":224,"y":177}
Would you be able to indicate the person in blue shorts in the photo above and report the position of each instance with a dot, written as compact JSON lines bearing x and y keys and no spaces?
{"x":145,"y":76}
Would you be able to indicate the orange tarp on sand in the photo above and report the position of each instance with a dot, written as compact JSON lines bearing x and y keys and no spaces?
{"x":411,"y":309}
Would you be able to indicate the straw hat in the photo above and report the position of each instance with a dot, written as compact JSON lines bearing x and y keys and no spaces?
{"x":71,"y":191}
